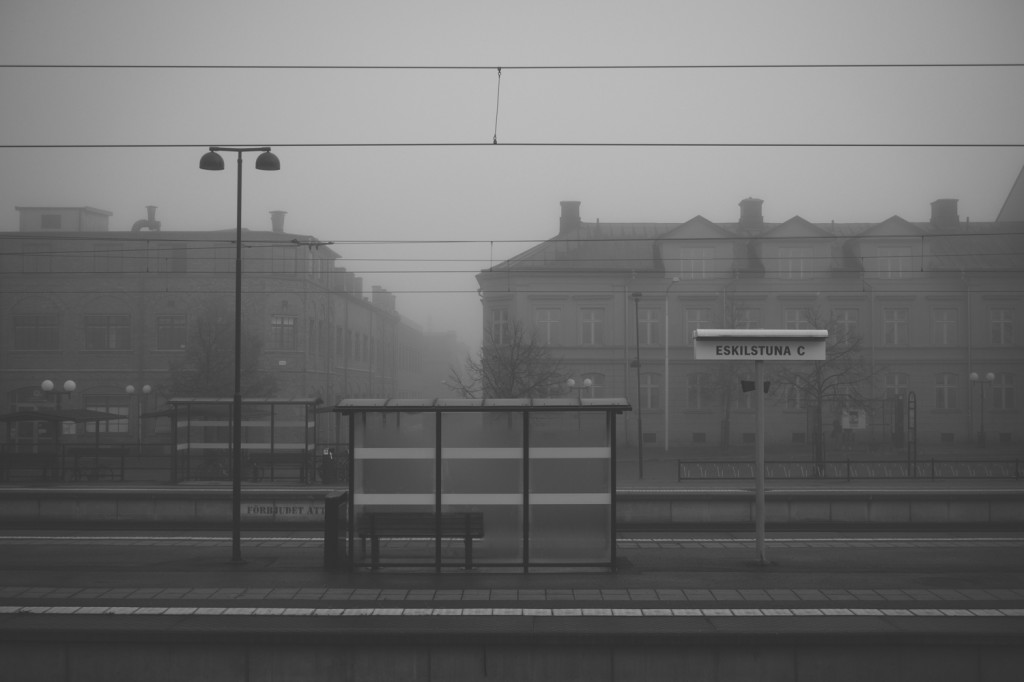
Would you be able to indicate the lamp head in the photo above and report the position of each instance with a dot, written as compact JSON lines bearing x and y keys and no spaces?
{"x":571,"y":383}
{"x":267,"y":161}
{"x":69,"y":386}
{"x":212,"y":161}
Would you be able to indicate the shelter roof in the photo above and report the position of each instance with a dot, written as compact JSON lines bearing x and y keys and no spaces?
{"x":355,"y":405}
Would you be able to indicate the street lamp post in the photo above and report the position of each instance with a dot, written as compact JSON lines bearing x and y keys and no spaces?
{"x":130,"y":390}
{"x":267,"y":161}
{"x":571,"y":383}
{"x":981,"y":381}
{"x":50,"y":388}
{"x":675,"y":281}
{"x":639,"y":406}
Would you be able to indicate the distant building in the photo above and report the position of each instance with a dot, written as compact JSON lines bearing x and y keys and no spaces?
{"x":108,"y":309}
{"x":931,"y":303}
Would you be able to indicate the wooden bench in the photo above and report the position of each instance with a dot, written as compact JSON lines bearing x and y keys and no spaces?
{"x":377,"y":525}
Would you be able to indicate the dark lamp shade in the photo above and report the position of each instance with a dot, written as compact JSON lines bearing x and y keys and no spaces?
{"x":267,"y":161}
{"x":211,"y":161}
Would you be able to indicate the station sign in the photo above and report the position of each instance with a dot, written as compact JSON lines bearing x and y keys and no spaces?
{"x":759,"y":344}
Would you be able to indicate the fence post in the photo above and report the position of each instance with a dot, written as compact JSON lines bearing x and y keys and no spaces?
{"x":847,"y":469}
{"x":933,"y":468}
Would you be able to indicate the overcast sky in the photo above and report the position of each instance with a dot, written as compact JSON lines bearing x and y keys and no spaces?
{"x":485,"y":203}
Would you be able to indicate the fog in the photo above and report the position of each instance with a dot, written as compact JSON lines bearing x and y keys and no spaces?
{"x":398,"y":167}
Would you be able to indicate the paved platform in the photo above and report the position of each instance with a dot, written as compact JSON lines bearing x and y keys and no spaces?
{"x":99,"y":605}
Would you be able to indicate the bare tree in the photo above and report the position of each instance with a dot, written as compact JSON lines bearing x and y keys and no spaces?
{"x":842,"y":381}
{"x":207,"y":369}
{"x":511,"y":364}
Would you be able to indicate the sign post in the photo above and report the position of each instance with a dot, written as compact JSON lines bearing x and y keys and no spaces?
{"x":759,"y":345}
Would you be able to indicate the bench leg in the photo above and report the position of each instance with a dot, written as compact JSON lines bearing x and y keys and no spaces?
{"x":375,"y":552}
{"x":469,"y":551}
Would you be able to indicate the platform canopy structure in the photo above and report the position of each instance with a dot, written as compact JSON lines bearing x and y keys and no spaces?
{"x":462,"y":483}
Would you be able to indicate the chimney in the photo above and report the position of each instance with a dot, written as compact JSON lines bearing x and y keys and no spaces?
{"x":277,"y":220}
{"x":151,"y":223}
{"x":570,"y":216}
{"x":944,"y":214}
{"x":750,"y":213}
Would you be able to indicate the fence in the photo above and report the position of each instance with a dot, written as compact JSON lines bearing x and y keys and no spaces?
{"x":851,"y":469}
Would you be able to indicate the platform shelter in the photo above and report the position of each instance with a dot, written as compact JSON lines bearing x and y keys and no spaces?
{"x":456,"y":483}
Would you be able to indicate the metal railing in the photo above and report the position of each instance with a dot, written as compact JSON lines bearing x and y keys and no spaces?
{"x":852,"y":469}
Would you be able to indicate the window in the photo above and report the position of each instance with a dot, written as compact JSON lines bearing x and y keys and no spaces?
{"x":796,"y":318}
{"x":696,"y":263}
{"x":695,"y":318}
{"x":171,"y":332}
{"x":499,"y":327}
{"x":649,"y":326}
{"x":107,"y":332}
{"x":114,"y":404}
{"x":549,"y":326}
{"x":698,"y":391}
{"x":49,"y":221}
{"x":36,"y":332}
{"x":282,"y":332}
{"x":893,"y":262}
{"x":650,"y":391}
{"x":945,"y":391}
{"x":592,"y":326}
{"x":897,"y":385}
{"x":845,"y":323}
{"x":895,"y":327}
{"x":795,"y":262}
{"x":747,"y":318}
{"x":944,"y":327}
{"x":1001,"y":325}
{"x":1002,"y":392}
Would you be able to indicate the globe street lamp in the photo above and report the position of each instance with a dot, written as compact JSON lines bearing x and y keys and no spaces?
{"x":571,"y":383}
{"x":213,"y":161}
{"x":981,"y":381}
{"x":51,"y":389}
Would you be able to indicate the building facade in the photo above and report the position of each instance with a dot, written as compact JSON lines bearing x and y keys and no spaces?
{"x":925,"y":322}
{"x":110,"y":310}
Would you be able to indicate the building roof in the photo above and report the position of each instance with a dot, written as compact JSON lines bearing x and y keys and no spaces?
{"x":597,"y":248}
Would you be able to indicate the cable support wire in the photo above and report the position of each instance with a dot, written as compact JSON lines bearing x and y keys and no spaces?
{"x":523,"y":67}
{"x":748,"y":145}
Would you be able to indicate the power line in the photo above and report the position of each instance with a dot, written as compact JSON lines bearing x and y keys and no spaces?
{"x":413,"y":145}
{"x":522,"y":67}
